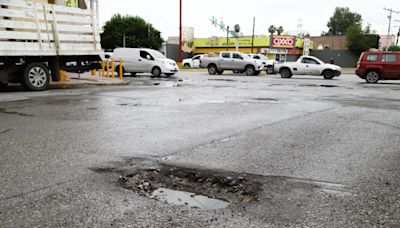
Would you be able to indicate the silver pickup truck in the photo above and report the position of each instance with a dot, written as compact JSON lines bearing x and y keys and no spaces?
{"x":235,"y":61}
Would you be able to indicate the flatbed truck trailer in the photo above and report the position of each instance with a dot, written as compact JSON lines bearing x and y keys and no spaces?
{"x":38,"y":39}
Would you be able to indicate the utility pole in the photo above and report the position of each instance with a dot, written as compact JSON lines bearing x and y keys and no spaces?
{"x":398,"y":33}
{"x":252,"y":38}
{"x":180,"y":31}
{"x":391,"y":11}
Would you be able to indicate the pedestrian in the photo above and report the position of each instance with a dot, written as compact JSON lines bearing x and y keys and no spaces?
{"x":331,"y":61}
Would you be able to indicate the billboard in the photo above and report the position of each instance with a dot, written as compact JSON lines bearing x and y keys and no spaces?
{"x":187,"y":39}
{"x":221,"y":42}
{"x":283,"y":41}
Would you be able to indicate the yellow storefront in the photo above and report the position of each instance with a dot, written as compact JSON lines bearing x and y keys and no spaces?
{"x":289,"y":45}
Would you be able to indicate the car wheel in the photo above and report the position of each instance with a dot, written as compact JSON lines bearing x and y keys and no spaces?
{"x":186,"y":65}
{"x":36,"y":77}
{"x":212,"y":70}
{"x":169,"y":74}
{"x":220,"y":72}
{"x":285,"y":73}
{"x":328,"y":74}
{"x":156,"y":72}
{"x":372,"y":77}
{"x":270,"y":70}
{"x":250,"y":70}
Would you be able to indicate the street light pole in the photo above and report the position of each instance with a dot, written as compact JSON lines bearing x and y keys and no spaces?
{"x":180,"y":31}
{"x":227,"y":38}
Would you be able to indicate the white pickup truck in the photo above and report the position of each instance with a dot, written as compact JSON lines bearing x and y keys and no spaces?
{"x":235,"y":61}
{"x":308,"y":65}
{"x":268,"y":63}
{"x":192,"y":62}
{"x":37,"y":40}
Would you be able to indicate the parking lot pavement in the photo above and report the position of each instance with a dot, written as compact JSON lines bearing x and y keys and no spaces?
{"x":282,"y":152}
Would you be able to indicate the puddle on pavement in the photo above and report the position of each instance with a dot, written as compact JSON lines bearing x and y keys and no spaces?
{"x":188,"y":199}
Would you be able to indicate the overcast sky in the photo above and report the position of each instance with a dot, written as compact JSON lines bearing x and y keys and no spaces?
{"x":164,"y":14}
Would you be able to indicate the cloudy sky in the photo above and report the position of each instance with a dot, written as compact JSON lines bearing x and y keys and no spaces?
{"x":164,"y":14}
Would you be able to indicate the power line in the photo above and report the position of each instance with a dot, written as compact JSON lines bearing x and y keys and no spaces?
{"x":391,"y":11}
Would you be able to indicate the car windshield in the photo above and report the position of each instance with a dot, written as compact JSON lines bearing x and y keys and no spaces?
{"x":157,"y":54}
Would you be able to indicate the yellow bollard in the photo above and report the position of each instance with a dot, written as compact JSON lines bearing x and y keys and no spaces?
{"x":108,"y":68}
{"x":63,"y":75}
{"x":121,"y":72}
{"x":112,"y":69}
{"x":102,"y":68}
{"x":93,"y":72}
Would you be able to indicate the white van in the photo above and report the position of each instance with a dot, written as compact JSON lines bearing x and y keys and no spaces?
{"x":143,"y":60}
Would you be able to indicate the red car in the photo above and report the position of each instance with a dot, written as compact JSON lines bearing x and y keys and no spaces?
{"x":375,"y":66}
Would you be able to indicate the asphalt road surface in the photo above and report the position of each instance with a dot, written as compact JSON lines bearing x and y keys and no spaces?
{"x":325,"y":152}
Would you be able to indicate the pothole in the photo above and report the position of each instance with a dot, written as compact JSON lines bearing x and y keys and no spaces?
{"x":265,"y":99}
{"x":192,"y":188}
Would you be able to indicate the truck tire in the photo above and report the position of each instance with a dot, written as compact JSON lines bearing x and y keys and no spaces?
{"x":220,"y":72}
{"x":3,"y":87}
{"x":372,"y":77}
{"x":36,"y":77}
{"x":212,"y":69}
{"x":250,"y":71}
{"x":285,"y":73}
{"x":270,"y":69}
{"x":156,"y":72}
{"x":328,"y":74}
{"x":186,"y":65}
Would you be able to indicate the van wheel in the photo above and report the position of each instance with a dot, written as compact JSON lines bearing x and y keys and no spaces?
{"x":250,"y":71}
{"x":36,"y":77}
{"x":285,"y":73}
{"x":117,"y":70}
{"x":372,"y":77}
{"x":328,"y":74}
{"x":156,"y":72}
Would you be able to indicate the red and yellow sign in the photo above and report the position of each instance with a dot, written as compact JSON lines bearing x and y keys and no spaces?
{"x":283,"y":41}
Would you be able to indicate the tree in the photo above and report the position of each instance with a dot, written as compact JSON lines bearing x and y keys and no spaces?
{"x":272,"y":30}
{"x":394,"y":48}
{"x":341,"y":20}
{"x":138,"y":33}
{"x":358,"y":41}
{"x":279,"y":30}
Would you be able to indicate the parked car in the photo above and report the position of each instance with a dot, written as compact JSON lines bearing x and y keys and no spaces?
{"x":235,"y":61}
{"x":375,"y":66}
{"x":268,"y":63}
{"x":143,"y":60}
{"x":192,"y":62}
{"x":308,"y":65}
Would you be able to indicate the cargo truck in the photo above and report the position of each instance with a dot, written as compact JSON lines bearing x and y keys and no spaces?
{"x":39,"y":38}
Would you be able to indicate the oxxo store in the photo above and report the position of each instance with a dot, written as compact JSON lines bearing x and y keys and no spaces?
{"x":284,"y":48}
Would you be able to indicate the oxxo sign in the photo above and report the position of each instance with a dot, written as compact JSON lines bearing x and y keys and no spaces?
{"x":283,"y":41}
